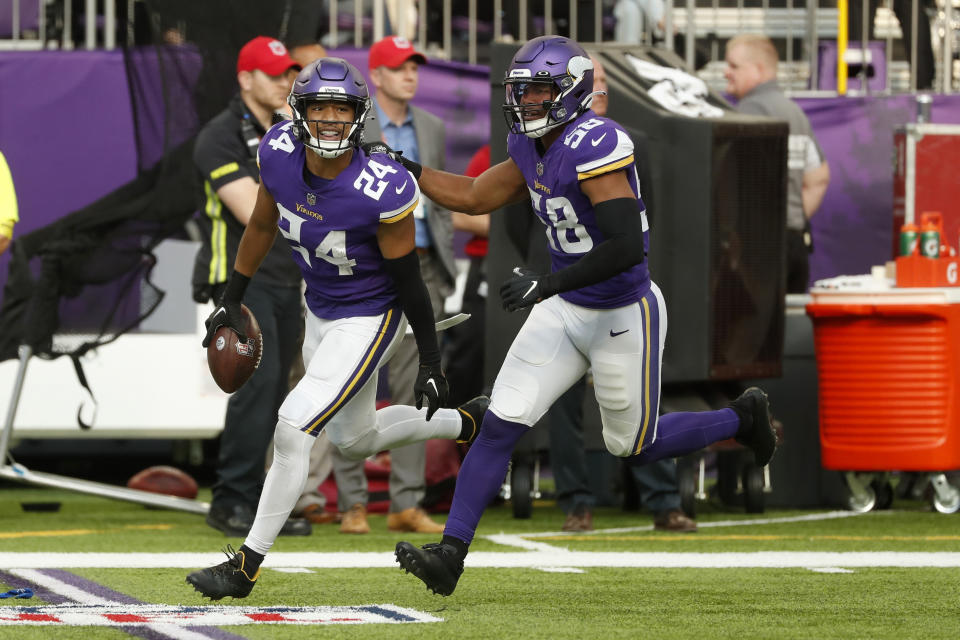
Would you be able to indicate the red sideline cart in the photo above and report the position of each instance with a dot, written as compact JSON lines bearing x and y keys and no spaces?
{"x":888,"y":365}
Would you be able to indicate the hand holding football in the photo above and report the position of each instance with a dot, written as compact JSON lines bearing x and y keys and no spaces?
{"x":232,"y":359}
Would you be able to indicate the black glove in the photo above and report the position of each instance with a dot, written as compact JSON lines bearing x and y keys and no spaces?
{"x":382,"y":147}
{"x":229,"y":314}
{"x":203,"y":293}
{"x":524,"y":289}
{"x":432,"y":384}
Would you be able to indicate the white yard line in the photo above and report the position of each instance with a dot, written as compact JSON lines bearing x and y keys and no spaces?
{"x":515,"y":540}
{"x":78,"y":595}
{"x":811,"y":517}
{"x":527,"y":559}
{"x":57,"y":586}
{"x":535,"y":555}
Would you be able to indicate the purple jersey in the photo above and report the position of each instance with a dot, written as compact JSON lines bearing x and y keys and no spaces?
{"x":590,"y":146}
{"x":331,"y":225}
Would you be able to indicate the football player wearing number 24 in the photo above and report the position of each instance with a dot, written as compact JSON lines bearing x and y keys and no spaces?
{"x":597,"y":308}
{"x":348,"y":219}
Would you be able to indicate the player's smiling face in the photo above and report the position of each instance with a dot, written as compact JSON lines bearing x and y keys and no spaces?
{"x":536,"y":93}
{"x":330,"y":120}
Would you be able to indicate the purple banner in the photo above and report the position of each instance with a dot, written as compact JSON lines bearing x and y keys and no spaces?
{"x":853,"y":228}
{"x":66,"y":130}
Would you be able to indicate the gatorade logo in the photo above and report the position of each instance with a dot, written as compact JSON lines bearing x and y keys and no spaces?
{"x":952,"y":273}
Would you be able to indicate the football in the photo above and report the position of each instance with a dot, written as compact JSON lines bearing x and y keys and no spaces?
{"x":232,"y":359}
{"x":167,"y":480}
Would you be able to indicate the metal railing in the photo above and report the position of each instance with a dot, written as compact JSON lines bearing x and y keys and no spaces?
{"x":35,"y":36}
{"x":797,"y":21}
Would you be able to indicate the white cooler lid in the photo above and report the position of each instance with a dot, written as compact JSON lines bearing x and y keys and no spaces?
{"x":868,"y":289}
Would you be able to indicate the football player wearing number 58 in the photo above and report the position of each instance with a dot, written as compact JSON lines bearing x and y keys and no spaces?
{"x":598,"y":307}
{"x":347,"y":218}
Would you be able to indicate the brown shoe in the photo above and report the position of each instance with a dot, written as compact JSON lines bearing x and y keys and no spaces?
{"x":580,"y":519}
{"x":318,"y":515}
{"x":675,"y":521}
{"x":413,"y":519}
{"x":354,"y":520}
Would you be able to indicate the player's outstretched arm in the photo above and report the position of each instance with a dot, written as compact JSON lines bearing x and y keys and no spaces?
{"x":256,"y":242}
{"x":500,"y":185}
{"x":397,"y":244}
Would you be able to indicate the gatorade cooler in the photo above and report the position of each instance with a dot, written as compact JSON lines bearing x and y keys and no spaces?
{"x":888,"y":364}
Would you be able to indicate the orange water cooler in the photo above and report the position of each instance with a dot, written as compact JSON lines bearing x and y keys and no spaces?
{"x":888,"y":365}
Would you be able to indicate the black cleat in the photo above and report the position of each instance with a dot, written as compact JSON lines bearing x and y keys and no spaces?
{"x":225,"y":579}
{"x":436,"y":564}
{"x":756,"y":428}
{"x":471,"y":417}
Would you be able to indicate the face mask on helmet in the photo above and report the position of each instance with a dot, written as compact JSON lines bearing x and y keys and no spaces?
{"x":548,"y":84}
{"x":330,"y":81}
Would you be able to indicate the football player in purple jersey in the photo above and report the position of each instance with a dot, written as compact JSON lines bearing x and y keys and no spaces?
{"x":597,"y":308}
{"x":347,"y":218}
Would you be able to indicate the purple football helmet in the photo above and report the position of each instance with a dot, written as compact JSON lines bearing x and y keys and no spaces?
{"x":329,"y":79}
{"x":556,"y":76}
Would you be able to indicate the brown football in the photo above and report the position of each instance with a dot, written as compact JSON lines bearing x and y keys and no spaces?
{"x":167,"y":480}
{"x":233,"y":360}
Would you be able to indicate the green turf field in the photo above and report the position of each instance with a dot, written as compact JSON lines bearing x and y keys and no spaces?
{"x":873,"y":599}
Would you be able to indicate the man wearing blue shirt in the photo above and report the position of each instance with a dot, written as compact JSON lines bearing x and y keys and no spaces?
{"x":394,"y":65}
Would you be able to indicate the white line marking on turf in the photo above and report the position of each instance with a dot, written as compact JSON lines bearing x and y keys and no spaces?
{"x":172,"y":620}
{"x":560,"y":569}
{"x":174,"y":631}
{"x":529,"y":559}
{"x":829,"y":570}
{"x":812,"y":517}
{"x":57,"y":586}
{"x":294,"y":570}
{"x":513,"y":540}
{"x":84,"y":598}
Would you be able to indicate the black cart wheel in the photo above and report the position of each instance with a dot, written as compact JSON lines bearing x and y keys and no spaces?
{"x":687,"y":485}
{"x":729,"y":466}
{"x":521,"y":488}
{"x":884,"y":492}
{"x":753,"y":488}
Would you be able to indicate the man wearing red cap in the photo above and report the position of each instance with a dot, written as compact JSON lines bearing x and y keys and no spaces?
{"x":225,"y":154}
{"x":420,"y":135}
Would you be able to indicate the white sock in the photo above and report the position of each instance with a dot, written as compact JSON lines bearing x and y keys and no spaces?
{"x":284,"y":485}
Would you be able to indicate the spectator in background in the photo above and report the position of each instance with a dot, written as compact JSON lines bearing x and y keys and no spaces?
{"x":420,"y":135}
{"x":903,"y":9}
{"x":633,"y":17}
{"x":226,"y":156}
{"x":751,"y":75}
{"x":465,"y":344}
{"x":656,"y":481}
{"x":8,"y":205}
